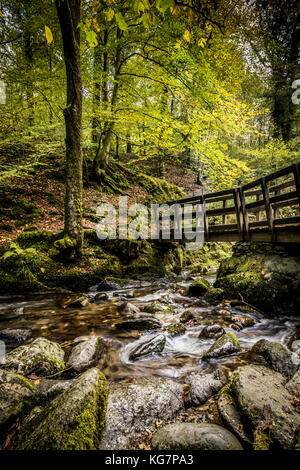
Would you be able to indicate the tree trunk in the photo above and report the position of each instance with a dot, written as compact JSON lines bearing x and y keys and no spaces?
{"x":102,"y":155}
{"x":69,"y":17}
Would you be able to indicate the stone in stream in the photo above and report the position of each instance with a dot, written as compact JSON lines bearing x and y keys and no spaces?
{"x":127,"y":308}
{"x":226,"y":344}
{"x":202,"y":386}
{"x":231,"y":416}
{"x":73,"y":421}
{"x":175,"y":329}
{"x":293,"y":385}
{"x":214,"y":295}
{"x":191,"y":436}
{"x":274,"y":355}
{"x":198,"y":288}
{"x":138,"y":405}
{"x":147,"y":345}
{"x":257,"y":389}
{"x":100,"y":297}
{"x":40,"y":352}
{"x":86,"y":352}
{"x":15,"y":336}
{"x":140,"y":323}
{"x":187,"y":316}
{"x":79,"y":302}
{"x":212,"y":331}
{"x":16,"y":394}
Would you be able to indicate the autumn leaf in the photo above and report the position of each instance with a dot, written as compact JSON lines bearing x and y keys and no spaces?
{"x":187,"y":35}
{"x":109,"y":14}
{"x":49,"y":35}
{"x":96,"y":25}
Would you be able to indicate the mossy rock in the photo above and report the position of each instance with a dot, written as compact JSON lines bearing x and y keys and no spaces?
{"x":75,"y":420}
{"x":214,"y":295}
{"x":176,"y":329}
{"x":41,"y":350}
{"x":198,"y":288}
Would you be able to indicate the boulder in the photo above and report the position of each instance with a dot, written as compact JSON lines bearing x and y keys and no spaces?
{"x":202,"y":387}
{"x":140,"y":323}
{"x":40,"y":352}
{"x":176,"y":329}
{"x":16,"y":394}
{"x":226,"y":344}
{"x":293,"y":385}
{"x":187,"y":316}
{"x":231,"y":417}
{"x":86,"y":353}
{"x":15,"y":336}
{"x":138,"y":405}
{"x":190,"y":436}
{"x":127,"y":308}
{"x":147,"y":345}
{"x":47,"y":389}
{"x":214,"y":295}
{"x":79,"y":302}
{"x":274,"y":355}
{"x":198,"y":288}
{"x":73,"y":421}
{"x":257,"y":388}
{"x":212,"y":331}
{"x":100,"y":297}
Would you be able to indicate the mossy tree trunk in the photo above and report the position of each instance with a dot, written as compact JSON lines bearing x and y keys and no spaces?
{"x":69,"y":18}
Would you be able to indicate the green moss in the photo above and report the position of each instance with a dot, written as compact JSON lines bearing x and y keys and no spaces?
{"x":199,"y":287}
{"x":176,"y":329}
{"x":262,"y":440}
{"x":234,"y":339}
{"x":26,"y":382}
{"x":65,"y":243}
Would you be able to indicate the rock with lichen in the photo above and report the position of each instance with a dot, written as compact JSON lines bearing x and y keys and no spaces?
{"x":41,"y":352}
{"x":73,"y":421}
{"x":226,"y":344}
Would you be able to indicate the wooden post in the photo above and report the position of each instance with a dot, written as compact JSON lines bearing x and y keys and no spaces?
{"x":258,"y":214}
{"x":296,"y":171}
{"x":224,"y":216}
{"x":206,"y":229}
{"x":266,"y":196}
{"x":238,"y":210}
{"x":244,"y":211}
{"x":276,"y":210}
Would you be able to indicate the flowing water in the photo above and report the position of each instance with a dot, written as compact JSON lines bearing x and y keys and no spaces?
{"x":45,"y":316}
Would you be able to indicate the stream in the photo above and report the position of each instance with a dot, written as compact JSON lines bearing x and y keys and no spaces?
{"x":45,"y":316}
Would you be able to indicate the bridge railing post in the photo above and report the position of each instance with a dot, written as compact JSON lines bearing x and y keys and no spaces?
{"x":238,"y":212}
{"x":244,"y":211}
{"x":296,"y":171}
{"x":266,"y":197}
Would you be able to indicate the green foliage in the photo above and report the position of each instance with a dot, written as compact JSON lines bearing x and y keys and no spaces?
{"x":26,"y":262}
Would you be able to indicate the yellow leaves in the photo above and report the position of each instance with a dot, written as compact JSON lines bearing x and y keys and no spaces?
{"x":1,"y":14}
{"x":187,"y":35}
{"x":96,"y":25}
{"x":49,"y":35}
{"x":191,"y":15}
{"x":96,"y":5}
{"x":121,"y":22}
{"x":201,"y":42}
{"x":176,"y":11}
{"x":109,"y":14}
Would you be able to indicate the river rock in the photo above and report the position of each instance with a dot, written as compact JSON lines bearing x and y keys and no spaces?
{"x":15,"y":336}
{"x":79,"y":302}
{"x":47,"y":389}
{"x":202,"y":387}
{"x":231,"y":416}
{"x":226,"y":344}
{"x":127,"y":308}
{"x":255,"y":388}
{"x":198,"y":288}
{"x":140,"y":323}
{"x":176,"y":329}
{"x":147,"y":345}
{"x":190,"y":436}
{"x":293,"y":385}
{"x":86,"y":353}
{"x":100,"y":297}
{"x":138,"y":405}
{"x":212,"y":331}
{"x":73,"y":421}
{"x":187,"y":316}
{"x":16,"y":394}
{"x":40,"y":351}
{"x":274,"y":355}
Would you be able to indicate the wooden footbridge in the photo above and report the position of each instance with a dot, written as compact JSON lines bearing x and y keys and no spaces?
{"x":265,"y":210}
